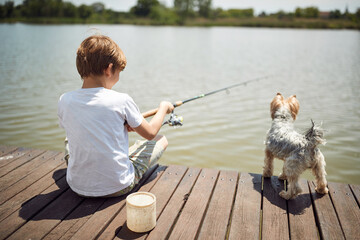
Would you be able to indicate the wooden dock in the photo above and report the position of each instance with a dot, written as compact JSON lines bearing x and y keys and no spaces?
{"x":192,"y":203}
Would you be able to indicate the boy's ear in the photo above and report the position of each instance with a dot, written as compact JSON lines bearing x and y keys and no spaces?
{"x":108,"y":70}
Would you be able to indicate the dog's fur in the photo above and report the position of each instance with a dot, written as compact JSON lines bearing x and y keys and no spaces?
{"x":298,"y":151}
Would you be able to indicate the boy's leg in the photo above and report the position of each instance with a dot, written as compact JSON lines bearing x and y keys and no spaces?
{"x":144,"y":154}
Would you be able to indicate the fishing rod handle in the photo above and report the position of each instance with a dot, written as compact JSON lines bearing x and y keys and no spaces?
{"x":178,"y":103}
{"x":152,"y":112}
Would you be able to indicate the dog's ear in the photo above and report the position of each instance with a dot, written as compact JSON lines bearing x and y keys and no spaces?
{"x":294,"y":106}
{"x":276,"y":103}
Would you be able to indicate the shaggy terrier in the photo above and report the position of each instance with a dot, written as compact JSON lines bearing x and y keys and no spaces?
{"x":298,"y":151}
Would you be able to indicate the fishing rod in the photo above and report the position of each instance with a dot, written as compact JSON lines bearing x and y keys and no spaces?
{"x":177,"y":121}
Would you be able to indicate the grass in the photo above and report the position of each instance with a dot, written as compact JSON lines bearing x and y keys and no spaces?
{"x":277,"y":23}
{"x":269,"y":22}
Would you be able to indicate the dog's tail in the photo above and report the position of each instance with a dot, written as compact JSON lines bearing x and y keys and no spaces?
{"x":315,"y":135}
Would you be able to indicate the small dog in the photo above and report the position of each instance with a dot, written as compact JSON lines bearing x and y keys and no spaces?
{"x":298,"y":151}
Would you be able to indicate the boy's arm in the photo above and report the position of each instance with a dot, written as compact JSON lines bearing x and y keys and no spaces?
{"x":149,"y":130}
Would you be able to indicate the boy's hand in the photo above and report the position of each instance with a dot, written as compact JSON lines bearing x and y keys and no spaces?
{"x":167,"y":105}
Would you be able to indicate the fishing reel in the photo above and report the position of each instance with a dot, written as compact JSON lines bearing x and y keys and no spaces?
{"x":174,"y":120}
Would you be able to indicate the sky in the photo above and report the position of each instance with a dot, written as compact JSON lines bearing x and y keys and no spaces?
{"x":269,"y":6}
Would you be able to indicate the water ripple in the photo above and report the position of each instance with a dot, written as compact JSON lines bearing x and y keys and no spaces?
{"x":224,"y":131}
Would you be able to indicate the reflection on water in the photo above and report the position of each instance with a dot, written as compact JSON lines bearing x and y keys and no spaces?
{"x":225,"y":131}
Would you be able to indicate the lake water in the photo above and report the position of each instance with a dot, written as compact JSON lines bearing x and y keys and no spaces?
{"x":224,"y":131}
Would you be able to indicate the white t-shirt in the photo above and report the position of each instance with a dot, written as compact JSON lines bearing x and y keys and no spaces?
{"x":93,"y":119}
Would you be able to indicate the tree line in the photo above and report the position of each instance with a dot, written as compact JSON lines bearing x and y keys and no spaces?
{"x":153,"y":11}
{"x":33,"y":9}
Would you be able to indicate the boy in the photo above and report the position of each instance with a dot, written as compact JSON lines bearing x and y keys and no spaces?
{"x":97,"y":120}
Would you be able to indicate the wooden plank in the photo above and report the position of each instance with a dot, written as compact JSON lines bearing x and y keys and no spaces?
{"x":328,"y":223}
{"x":22,"y":159}
{"x":275,"y":220}
{"x":49,"y":217}
{"x":99,"y":221}
{"x":31,"y":207}
{"x":217,"y":217}
{"x":301,"y":215}
{"x":193,"y":212}
{"x":356,"y":191}
{"x":22,"y":171}
{"x":163,"y":189}
{"x":347,"y":209}
{"x":168,"y":217}
{"x":11,"y":156}
{"x":70,"y":225}
{"x":5,"y":150}
{"x":245,"y":222}
{"x":32,"y":191}
{"x":78,"y":218}
{"x":34,"y":176}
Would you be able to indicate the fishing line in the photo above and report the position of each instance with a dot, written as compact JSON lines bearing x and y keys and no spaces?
{"x":177,"y":120}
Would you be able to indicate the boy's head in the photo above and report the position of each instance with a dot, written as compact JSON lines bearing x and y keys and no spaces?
{"x":96,"y":53}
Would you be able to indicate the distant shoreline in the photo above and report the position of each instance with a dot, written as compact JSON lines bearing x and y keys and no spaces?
{"x":268,"y":22}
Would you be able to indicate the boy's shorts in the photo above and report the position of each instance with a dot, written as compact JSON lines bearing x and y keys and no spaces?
{"x":143,"y":155}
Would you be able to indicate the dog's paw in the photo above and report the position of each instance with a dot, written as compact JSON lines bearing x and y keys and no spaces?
{"x":285,"y":195}
{"x":323,"y":190}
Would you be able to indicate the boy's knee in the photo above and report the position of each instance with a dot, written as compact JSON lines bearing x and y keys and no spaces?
{"x":161,"y":140}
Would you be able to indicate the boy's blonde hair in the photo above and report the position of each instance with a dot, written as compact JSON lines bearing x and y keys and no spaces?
{"x":96,"y":53}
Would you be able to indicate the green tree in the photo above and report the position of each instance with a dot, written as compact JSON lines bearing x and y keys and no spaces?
{"x":52,"y":8}
{"x":241,"y":13}
{"x":7,"y":10}
{"x":262,"y":14}
{"x":42,"y":8}
{"x":336,"y":14}
{"x":223,"y":13}
{"x":162,"y":15}
{"x":2,"y":11}
{"x":69,"y":10}
{"x":309,"y":12}
{"x":281,"y":14}
{"x":204,"y":8}
{"x":143,"y":7}
{"x":284,"y":15}
{"x":216,"y":13}
{"x":84,"y":11}
{"x":98,"y":7}
{"x":357,"y":14}
{"x":298,"y":12}
{"x":184,"y":9}
{"x":32,"y":8}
